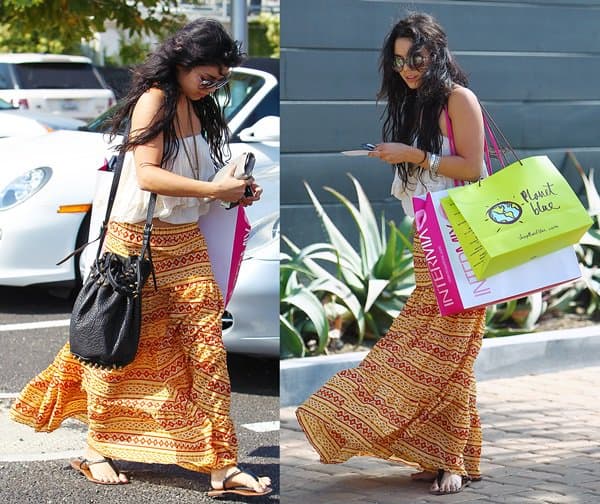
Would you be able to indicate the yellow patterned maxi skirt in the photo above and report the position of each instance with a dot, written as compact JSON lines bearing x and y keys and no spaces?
{"x":171,"y":404}
{"x":413,"y":398}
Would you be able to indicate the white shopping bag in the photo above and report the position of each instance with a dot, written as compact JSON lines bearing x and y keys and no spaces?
{"x":226,"y":233}
{"x":456,"y":287}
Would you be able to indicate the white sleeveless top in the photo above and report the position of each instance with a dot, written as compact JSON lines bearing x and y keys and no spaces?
{"x":131,"y":203}
{"x":416,"y":187}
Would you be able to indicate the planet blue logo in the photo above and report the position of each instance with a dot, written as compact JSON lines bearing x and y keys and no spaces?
{"x":505,"y":212}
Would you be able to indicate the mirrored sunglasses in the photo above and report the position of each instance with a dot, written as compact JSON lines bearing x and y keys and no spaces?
{"x":216,"y":84}
{"x":415,"y":61}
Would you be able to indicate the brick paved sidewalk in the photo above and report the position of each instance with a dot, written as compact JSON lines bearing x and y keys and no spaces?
{"x":541,"y":444}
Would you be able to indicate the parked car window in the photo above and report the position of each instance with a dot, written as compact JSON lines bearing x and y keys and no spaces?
{"x":5,"y":105}
{"x":5,"y":79}
{"x":243,"y":87}
{"x":57,"y":76}
{"x":269,"y":106}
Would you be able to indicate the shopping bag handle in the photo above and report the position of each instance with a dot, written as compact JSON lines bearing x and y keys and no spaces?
{"x":486,"y":148}
{"x":488,"y":122}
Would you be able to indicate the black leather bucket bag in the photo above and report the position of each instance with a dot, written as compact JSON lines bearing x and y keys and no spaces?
{"x":106,"y":316}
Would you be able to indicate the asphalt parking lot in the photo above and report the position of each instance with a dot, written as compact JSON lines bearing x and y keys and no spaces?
{"x":34,"y":467}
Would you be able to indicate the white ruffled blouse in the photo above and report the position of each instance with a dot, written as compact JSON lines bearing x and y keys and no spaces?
{"x":131,"y":203}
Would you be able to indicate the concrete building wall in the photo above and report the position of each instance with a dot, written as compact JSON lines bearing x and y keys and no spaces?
{"x":534,"y":64}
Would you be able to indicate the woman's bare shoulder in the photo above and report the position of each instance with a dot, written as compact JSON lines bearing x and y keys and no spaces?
{"x":462,"y":99}
{"x":154,"y":98}
{"x":147,"y":107}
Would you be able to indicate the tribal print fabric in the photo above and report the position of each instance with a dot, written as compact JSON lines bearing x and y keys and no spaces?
{"x":171,"y":404}
{"x":413,"y":398}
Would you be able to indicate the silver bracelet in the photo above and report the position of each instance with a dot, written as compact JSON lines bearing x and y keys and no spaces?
{"x":430,"y":160}
{"x":434,"y":164}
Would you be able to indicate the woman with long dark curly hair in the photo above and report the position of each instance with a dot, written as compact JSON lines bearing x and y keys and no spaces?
{"x":413,"y":398}
{"x":171,"y":404}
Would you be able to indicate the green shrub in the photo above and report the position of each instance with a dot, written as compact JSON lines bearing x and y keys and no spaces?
{"x":331,"y":289}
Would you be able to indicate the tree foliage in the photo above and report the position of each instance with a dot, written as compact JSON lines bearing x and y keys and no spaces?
{"x":263,"y":36}
{"x":57,"y":26}
{"x":132,"y":51}
{"x":272,"y":23}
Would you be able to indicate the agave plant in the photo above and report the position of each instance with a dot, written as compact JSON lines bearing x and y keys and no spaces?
{"x":516,"y":316}
{"x":367,"y":288}
{"x":330,"y":287}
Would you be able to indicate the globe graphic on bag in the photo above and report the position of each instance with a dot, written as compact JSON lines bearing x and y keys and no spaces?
{"x":505,"y":212}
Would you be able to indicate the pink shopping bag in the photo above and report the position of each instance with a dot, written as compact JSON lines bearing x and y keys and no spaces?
{"x":226,"y":233}
{"x":457,"y":288}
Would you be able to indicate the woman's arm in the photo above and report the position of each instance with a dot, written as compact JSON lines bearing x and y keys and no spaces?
{"x":150,"y":175}
{"x":467,"y":127}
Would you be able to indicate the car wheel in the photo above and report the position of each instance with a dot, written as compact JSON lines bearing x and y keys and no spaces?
{"x":70,"y":289}
{"x":82,"y":238}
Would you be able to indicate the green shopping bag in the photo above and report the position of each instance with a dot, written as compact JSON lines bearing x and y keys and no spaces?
{"x":523,"y":211}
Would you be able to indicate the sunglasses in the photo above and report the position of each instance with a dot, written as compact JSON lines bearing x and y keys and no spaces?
{"x":415,"y":61}
{"x":216,"y":84}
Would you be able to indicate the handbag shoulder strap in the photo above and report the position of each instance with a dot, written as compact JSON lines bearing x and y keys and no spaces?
{"x":111,"y":199}
{"x":146,"y":240}
{"x":116,"y":169}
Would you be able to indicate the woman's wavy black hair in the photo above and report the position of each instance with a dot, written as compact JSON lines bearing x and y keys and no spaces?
{"x":204,"y":41}
{"x":413,"y":114}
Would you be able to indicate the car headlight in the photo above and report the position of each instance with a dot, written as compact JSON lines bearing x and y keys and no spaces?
{"x":264,"y":232}
{"x":24,"y":187}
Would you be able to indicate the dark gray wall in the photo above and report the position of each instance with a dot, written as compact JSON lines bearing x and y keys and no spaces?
{"x":534,"y":64}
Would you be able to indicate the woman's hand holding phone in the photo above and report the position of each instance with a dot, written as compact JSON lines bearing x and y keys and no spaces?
{"x":255,"y":193}
{"x":396,"y":152}
{"x":229,"y":187}
{"x":252,"y":192}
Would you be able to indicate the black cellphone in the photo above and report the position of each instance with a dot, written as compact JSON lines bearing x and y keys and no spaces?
{"x":248,"y":168}
{"x":368,"y":146}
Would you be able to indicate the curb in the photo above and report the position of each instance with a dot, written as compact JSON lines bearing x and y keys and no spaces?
{"x":504,"y":357}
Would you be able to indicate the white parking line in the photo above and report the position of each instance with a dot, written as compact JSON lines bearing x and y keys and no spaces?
{"x":37,"y":448}
{"x":39,"y":457}
{"x":8,"y":395}
{"x":262,"y":426}
{"x":20,"y":443}
{"x":34,"y":325}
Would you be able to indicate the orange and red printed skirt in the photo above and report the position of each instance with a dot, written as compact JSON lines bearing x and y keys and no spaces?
{"x":171,"y":404}
{"x":413,"y":398}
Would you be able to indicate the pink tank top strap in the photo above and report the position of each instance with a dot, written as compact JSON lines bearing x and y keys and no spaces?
{"x":486,"y":150}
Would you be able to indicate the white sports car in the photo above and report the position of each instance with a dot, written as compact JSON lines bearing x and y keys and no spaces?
{"x":47,"y":185}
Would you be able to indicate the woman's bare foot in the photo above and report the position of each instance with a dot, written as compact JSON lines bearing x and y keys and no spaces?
{"x":423,"y":476}
{"x":102,"y":471}
{"x":450,"y":483}
{"x":241,"y":479}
